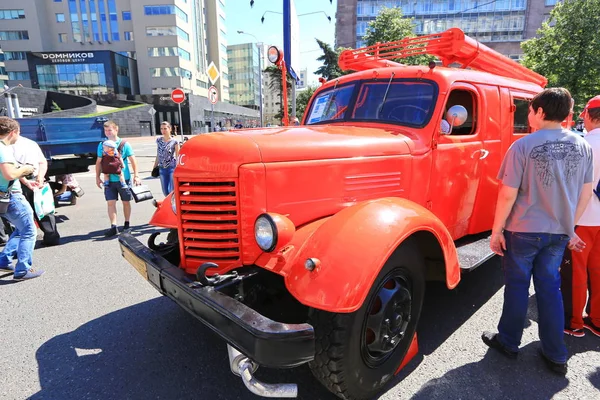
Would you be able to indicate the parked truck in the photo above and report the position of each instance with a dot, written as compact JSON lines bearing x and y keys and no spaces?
{"x":313,"y":243}
{"x":69,"y":144}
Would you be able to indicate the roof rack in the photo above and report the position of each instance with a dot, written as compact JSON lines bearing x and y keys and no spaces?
{"x":450,"y":46}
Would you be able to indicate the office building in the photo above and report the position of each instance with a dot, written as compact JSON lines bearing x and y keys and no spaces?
{"x":3,"y":75}
{"x":302,"y":76}
{"x":501,"y":24}
{"x":243,"y":66}
{"x":105,"y":45}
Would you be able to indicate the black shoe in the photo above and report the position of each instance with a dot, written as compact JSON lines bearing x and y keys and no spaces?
{"x":112,"y":231}
{"x":557,"y":368}
{"x":491,"y":339}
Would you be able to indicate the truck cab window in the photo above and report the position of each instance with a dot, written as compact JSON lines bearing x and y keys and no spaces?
{"x":520,"y":119}
{"x":466,"y":99}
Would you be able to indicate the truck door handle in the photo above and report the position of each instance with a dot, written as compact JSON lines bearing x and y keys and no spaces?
{"x":484,"y":154}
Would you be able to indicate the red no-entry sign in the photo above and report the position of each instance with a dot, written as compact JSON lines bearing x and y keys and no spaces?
{"x":178,"y":96}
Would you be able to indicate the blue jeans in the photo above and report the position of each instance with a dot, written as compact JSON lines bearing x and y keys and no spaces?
{"x":540,"y":255}
{"x":166,"y":179}
{"x":22,"y":241}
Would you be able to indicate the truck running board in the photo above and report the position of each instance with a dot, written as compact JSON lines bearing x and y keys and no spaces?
{"x":472,"y":253}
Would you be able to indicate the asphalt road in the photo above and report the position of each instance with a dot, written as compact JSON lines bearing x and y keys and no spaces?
{"x":92,"y":328}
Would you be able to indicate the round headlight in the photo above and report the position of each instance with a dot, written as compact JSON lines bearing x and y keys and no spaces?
{"x":265,"y":232}
{"x":173,"y":203}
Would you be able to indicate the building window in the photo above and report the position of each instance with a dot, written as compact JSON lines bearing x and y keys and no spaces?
{"x":520,"y":117}
{"x":18,"y":76}
{"x":74,"y":16}
{"x":128,"y":36}
{"x":15,"y":55}
{"x":14,"y":35}
{"x":201,"y":84}
{"x":60,"y":17}
{"x":168,"y":52}
{"x":183,"y":34}
{"x":58,"y":1}
{"x":166,"y":10}
{"x":114,"y":26}
{"x":12,"y":14}
{"x":161,"y":31}
{"x":62,"y":38}
{"x":551,"y":2}
{"x":168,"y":72}
{"x":126,"y":15}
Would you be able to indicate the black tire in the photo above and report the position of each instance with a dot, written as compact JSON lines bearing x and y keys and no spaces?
{"x":345,"y":362}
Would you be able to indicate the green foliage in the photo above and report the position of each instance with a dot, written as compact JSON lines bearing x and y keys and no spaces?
{"x":567,"y":49}
{"x":330,"y":68}
{"x":390,"y":26}
{"x":302,"y":101}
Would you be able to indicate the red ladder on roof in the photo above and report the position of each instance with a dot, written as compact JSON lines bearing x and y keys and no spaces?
{"x":450,"y":46}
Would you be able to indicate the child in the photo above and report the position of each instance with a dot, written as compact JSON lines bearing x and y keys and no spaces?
{"x":109,"y":149}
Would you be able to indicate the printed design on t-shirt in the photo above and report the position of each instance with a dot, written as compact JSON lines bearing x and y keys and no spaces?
{"x":551,"y":152}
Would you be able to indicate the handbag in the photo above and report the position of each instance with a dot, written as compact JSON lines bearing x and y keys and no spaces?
{"x":141,"y":193}
{"x":43,"y":201}
{"x":155,"y":172}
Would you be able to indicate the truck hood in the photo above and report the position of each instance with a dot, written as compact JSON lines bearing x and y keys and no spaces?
{"x":322,"y":142}
{"x":222,"y":153}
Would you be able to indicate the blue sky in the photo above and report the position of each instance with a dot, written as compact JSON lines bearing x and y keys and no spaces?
{"x":241,"y":17}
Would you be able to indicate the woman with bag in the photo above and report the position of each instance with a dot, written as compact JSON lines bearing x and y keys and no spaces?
{"x":166,"y":158}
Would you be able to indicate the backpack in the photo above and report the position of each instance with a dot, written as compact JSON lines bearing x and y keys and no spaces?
{"x":113,"y":164}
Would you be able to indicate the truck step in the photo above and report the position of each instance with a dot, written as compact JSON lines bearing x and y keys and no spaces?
{"x":474,"y":251}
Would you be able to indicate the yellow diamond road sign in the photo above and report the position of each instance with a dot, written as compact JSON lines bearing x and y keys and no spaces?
{"x":213,"y":73}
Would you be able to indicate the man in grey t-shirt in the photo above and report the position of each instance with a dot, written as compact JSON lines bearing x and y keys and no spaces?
{"x":546,"y":184}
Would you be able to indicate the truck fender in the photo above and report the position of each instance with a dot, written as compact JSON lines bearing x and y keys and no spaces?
{"x":164,"y":215}
{"x":351,"y":247}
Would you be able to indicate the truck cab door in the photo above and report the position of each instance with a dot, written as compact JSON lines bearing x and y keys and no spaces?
{"x":457,"y":157}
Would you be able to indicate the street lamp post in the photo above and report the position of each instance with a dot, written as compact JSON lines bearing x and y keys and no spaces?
{"x":259,"y":45}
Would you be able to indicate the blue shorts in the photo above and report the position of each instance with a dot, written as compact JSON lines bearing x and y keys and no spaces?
{"x":114,"y":191}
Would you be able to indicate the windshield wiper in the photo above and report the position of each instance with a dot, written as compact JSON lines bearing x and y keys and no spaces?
{"x":385,"y":96}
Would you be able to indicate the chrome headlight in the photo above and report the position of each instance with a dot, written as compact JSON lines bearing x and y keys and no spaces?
{"x":173,"y":203}
{"x":265,"y":232}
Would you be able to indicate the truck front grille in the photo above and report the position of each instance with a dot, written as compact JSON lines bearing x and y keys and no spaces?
{"x":209,"y":219}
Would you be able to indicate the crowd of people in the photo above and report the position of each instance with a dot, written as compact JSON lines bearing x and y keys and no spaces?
{"x":23,"y":167}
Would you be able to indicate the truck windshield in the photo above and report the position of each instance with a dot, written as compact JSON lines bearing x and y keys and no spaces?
{"x":331,"y":105}
{"x":400,"y":102}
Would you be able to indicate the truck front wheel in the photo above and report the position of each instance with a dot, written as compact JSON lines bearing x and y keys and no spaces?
{"x":358,"y":353}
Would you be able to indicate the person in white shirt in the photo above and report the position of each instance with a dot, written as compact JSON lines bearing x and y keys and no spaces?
{"x":27,"y":151}
{"x":582,"y":274}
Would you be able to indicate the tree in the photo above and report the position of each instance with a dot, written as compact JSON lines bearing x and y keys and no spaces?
{"x":302,"y":101}
{"x":275,"y":85}
{"x":330,"y":68}
{"x":567,"y":49}
{"x":390,"y":26}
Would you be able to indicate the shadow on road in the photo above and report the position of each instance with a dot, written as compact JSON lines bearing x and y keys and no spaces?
{"x":444,"y":311}
{"x":147,"y":351}
{"x":98,"y":236}
{"x":156,"y":350}
{"x":496,"y":377}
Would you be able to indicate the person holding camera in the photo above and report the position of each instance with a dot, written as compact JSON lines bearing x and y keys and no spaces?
{"x":14,"y":207}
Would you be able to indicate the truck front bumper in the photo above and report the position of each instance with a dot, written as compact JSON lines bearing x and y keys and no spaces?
{"x":267,"y":342}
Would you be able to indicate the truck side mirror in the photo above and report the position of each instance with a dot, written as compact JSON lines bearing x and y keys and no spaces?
{"x":456,"y":116}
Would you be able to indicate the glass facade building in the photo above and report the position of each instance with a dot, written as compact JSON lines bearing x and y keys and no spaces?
{"x":500,"y":24}
{"x":486,"y":21}
{"x":83,"y":73}
{"x":243,"y":74}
